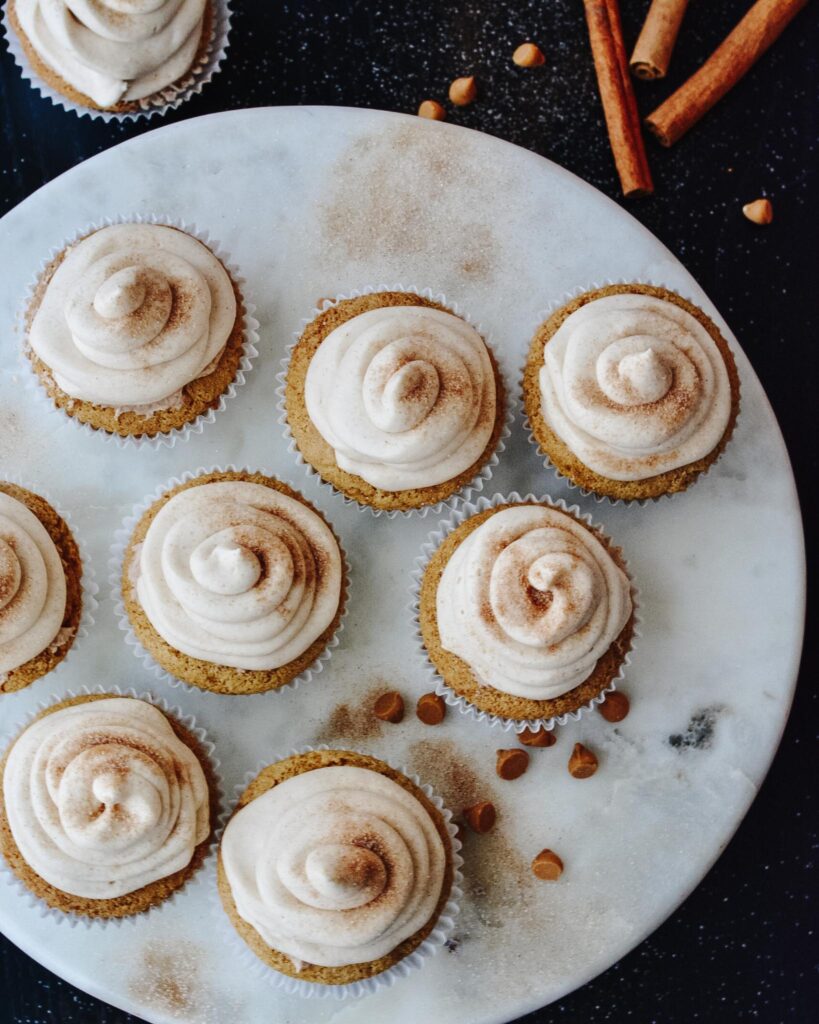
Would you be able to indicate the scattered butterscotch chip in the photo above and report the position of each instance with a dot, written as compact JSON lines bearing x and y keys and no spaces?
{"x":759,"y":211}
{"x":432,"y":109}
{"x":537,"y":737}
{"x":548,"y":866}
{"x":481,"y":817}
{"x":511,"y":764}
{"x":431,"y":709}
{"x":528,"y":55}
{"x":389,"y":707}
{"x":582,"y":763}
{"x":463,"y":91}
{"x":615,"y":707}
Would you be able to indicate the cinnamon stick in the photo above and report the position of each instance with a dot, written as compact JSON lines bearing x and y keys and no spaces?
{"x":735,"y":56}
{"x":617,"y":95}
{"x":655,"y":44}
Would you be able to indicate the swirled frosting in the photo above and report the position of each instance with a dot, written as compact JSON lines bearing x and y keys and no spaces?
{"x":335,"y":866}
{"x":32,"y":585}
{"x":635,"y":386}
{"x":404,"y":395}
{"x":132,"y":314}
{"x":115,"y":50}
{"x":103,"y":798}
{"x":531,"y":600}
{"x":239,"y":574}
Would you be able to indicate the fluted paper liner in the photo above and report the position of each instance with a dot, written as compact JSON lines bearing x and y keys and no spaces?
{"x":542,"y":317}
{"x":483,"y":476}
{"x":250,"y":331}
{"x":440,"y":934}
{"x":69,"y":918}
{"x":88,"y":582}
{"x":206,"y":65}
{"x":455,"y":700}
{"x":115,"y":563}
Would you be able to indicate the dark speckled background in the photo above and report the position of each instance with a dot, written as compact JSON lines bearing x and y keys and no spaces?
{"x":744,"y":946}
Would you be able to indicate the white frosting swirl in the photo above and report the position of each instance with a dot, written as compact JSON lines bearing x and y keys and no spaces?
{"x":531,"y":600}
{"x":405,"y":396}
{"x":335,"y":866}
{"x":635,"y":386}
{"x":239,"y":574}
{"x":32,"y":585}
{"x":103,"y":798}
{"x":132,"y":314}
{"x":115,"y":50}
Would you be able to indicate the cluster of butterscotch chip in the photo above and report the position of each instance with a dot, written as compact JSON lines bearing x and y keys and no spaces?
{"x":510,"y":763}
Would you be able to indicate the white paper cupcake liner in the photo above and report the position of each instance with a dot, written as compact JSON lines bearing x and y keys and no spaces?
{"x":455,"y":700}
{"x":440,"y":934}
{"x":483,"y":476}
{"x":542,"y":317}
{"x":250,"y":331}
{"x":88,"y":582}
{"x":69,"y":918}
{"x":115,"y":563}
{"x":170,"y":98}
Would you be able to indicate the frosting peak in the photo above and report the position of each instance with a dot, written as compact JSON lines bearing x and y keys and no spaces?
{"x":405,"y":396}
{"x":239,"y":574}
{"x":103,"y":798}
{"x":635,"y":386}
{"x":132,"y":314}
{"x":531,"y":600}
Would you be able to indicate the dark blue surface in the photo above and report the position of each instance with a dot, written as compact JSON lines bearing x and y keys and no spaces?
{"x":743,"y":947}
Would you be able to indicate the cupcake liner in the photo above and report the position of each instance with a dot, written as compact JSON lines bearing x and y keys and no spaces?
{"x":454,"y":699}
{"x":171,"y":97}
{"x":69,"y":918}
{"x":88,"y":582}
{"x":440,"y":934}
{"x":544,"y":315}
{"x":121,"y":538}
{"x":483,"y":476}
{"x":250,"y":330}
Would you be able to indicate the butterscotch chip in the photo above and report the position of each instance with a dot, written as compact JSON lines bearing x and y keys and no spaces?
{"x":432,"y":110}
{"x":528,"y":55}
{"x":582,"y":763}
{"x":537,"y":737}
{"x":547,"y":866}
{"x":615,"y":707}
{"x":760,"y":211}
{"x":463,"y":91}
{"x":481,"y":817}
{"x":511,"y":764}
{"x":431,"y":709}
{"x":389,"y":707}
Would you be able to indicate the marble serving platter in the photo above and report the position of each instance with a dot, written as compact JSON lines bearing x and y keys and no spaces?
{"x":313,"y":202}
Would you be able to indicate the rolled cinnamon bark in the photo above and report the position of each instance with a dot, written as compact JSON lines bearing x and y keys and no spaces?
{"x":736,"y":55}
{"x":652,"y":52}
{"x":617,"y":95}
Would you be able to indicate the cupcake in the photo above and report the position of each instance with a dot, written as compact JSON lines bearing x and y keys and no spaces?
{"x":394,"y":400}
{"x":526,"y":611}
{"x":114,"y":56}
{"x":40,"y":588}
{"x":233,"y":582}
{"x":334,"y":866}
{"x":107,"y":806}
{"x":136,"y":329}
{"x":630,"y":391}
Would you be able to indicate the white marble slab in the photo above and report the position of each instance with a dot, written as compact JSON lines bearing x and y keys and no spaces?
{"x":312,"y":202}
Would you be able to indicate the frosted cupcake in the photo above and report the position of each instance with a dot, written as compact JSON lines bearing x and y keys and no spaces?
{"x":334,"y":867}
{"x":136,"y":329}
{"x":394,"y":400}
{"x":107,"y":806}
{"x":526,"y":612}
{"x":40,"y":588}
{"x":233,"y":582}
{"x":631,"y":391}
{"x":114,"y":56}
